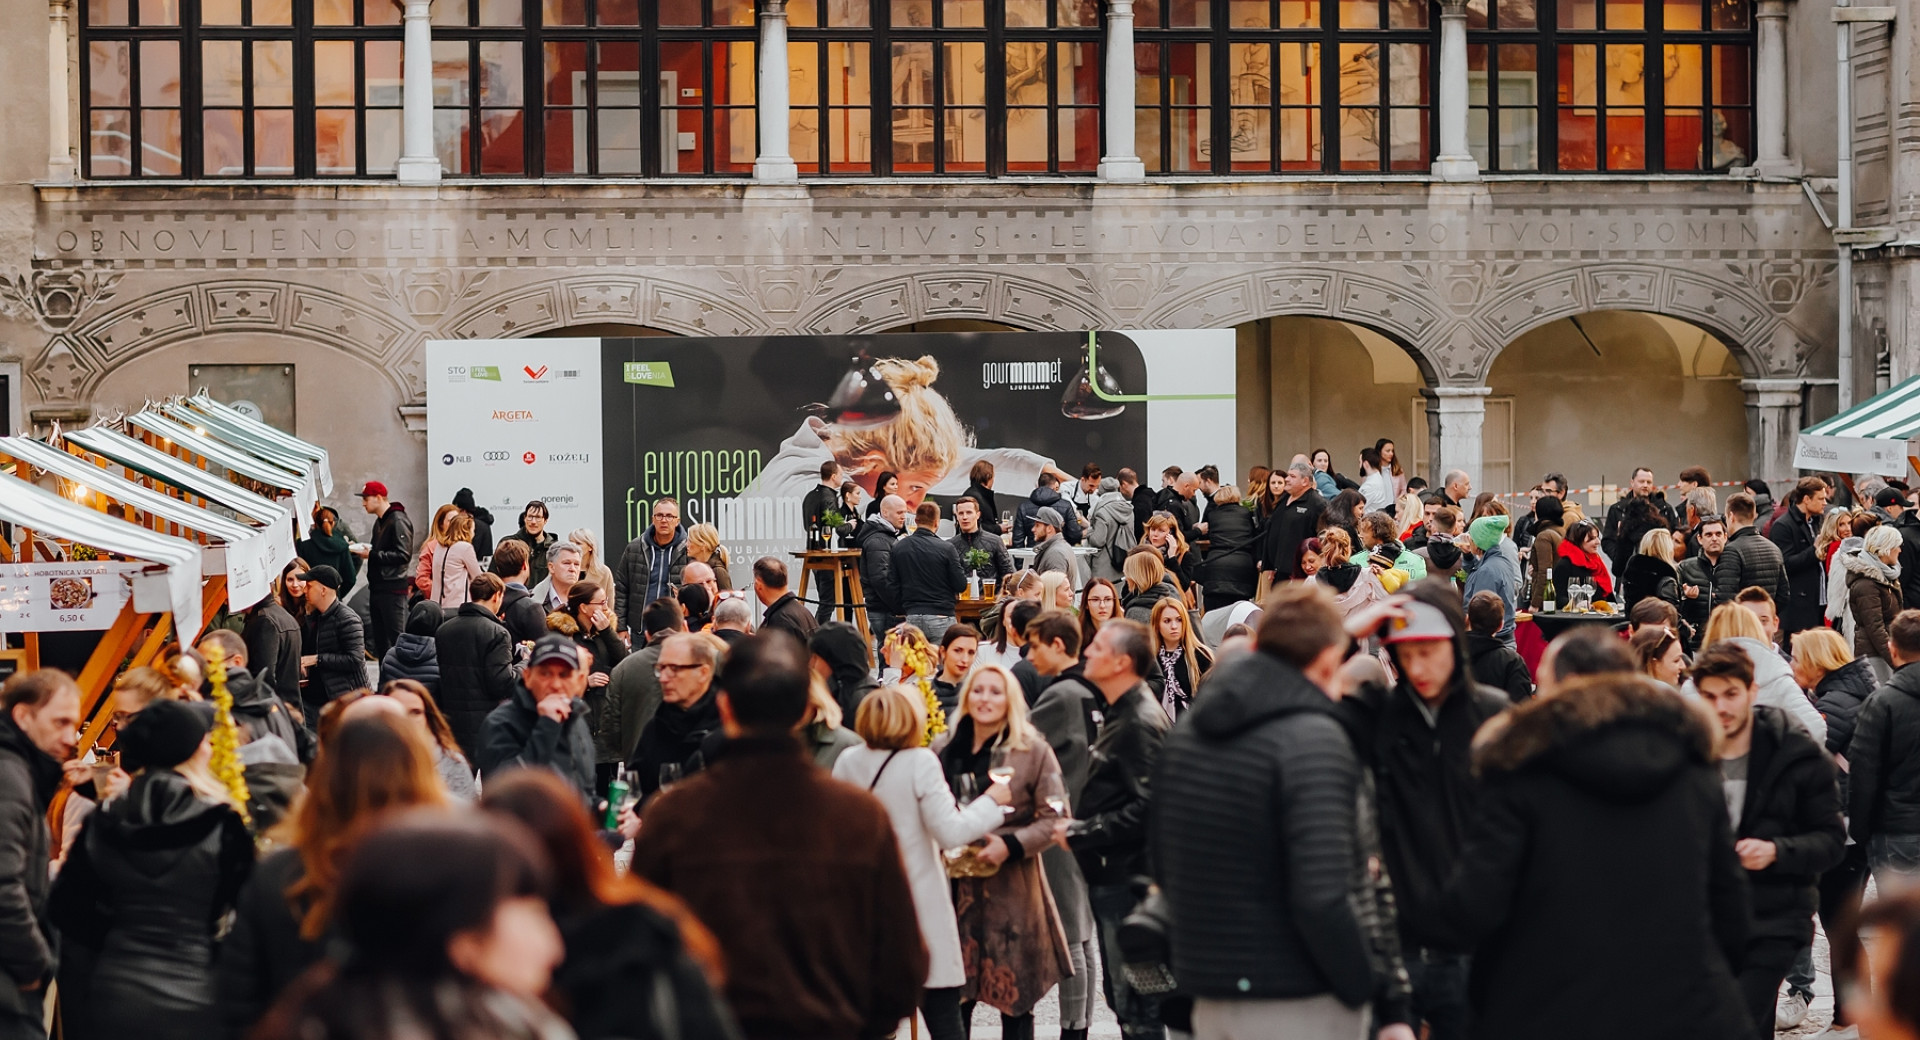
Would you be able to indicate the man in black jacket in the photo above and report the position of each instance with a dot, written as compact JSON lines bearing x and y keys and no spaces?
{"x":1291,"y":523}
{"x":339,"y":659}
{"x":476,"y":663}
{"x":1045,"y":495}
{"x":389,"y":556}
{"x":875,"y":540}
{"x":37,"y":734}
{"x":1804,"y":605}
{"x":1697,"y":588}
{"x":1749,"y":559}
{"x":1417,"y":738}
{"x":256,"y":708}
{"x":1254,"y":838}
{"x":969,"y":535}
{"x":519,"y":610}
{"x":1494,"y":663}
{"x":1883,"y":758}
{"x":272,"y":637}
{"x":1784,"y":802}
{"x":821,"y":499}
{"x":544,"y":723}
{"x":1906,"y":520}
{"x":688,"y":719}
{"x":927,"y":575}
{"x":1141,"y":497}
{"x":780,"y":610}
{"x":1109,"y":833}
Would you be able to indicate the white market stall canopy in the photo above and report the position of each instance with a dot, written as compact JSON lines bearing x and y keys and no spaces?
{"x":149,"y":461}
{"x":1874,"y":436}
{"x":230,"y":420}
{"x":27,"y":592}
{"x":249,"y":556}
{"x":300,"y":486}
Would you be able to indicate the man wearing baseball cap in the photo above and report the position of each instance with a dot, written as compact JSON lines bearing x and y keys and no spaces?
{"x":544,"y":723}
{"x":339,"y":660}
{"x":1417,"y":737}
{"x":389,"y":554}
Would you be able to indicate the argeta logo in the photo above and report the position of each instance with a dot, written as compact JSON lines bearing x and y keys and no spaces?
{"x":513,"y":415}
{"x":533,"y":373}
{"x":529,"y":458}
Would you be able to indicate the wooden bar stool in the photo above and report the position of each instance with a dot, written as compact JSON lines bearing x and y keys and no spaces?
{"x":842,"y":567}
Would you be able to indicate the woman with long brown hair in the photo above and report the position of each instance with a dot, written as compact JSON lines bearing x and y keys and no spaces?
{"x":638,"y":965}
{"x":454,"y":563}
{"x":367,"y":767}
{"x":454,"y":769}
{"x":1099,"y":604}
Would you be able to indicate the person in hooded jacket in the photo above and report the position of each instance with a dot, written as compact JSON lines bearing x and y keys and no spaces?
{"x":415,"y":655}
{"x":519,"y":608}
{"x":146,"y":886}
{"x":1601,"y":862}
{"x":686,"y":728}
{"x":1784,"y":806}
{"x":329,"y":542}
{"x":1230,"y":572}
{"x":1883,"y":800}
{"x":1496,"y":568}
{"x":1873,"y":594}
{"x":257,"y":710}
{"x":1416,"y":736}
{"x":1549,"y":528}
{"x":544,"y":723}
{"x":475,"y":656}
{"x":1739,"y":624}
{"x":1046,"y":495}
{"x":1495,"y":664}
{"x":482,"y":522}
{"x":1109,"y":525}
{"x":842,"y":658}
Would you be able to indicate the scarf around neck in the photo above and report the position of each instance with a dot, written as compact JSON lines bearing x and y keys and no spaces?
{"x":1581,"y":558}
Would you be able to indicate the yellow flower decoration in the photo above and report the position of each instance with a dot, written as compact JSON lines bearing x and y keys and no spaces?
{"x":916,"y":666}
{"x":226,"y":736}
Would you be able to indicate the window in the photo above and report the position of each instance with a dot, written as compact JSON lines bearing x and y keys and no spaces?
{"x":1283,"y":85}
{"x":1503,"y":84}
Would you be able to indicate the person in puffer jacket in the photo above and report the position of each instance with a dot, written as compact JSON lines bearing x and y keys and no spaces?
{"x":415,"y":655}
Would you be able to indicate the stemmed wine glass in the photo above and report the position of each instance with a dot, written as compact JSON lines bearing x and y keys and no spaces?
{"x":1000,"y":771}
{"x":670,"y":774}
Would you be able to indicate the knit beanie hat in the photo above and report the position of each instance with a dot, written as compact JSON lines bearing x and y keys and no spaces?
{"x":164,"y":734}
{"x":1487,"y":531}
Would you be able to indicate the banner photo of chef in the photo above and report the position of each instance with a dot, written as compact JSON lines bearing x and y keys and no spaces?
{"x":736,"y":429}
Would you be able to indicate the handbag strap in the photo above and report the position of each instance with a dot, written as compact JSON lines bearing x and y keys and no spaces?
{"x":883,"y":768}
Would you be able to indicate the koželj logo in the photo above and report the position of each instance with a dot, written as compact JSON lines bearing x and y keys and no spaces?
{"x":649,"y":373}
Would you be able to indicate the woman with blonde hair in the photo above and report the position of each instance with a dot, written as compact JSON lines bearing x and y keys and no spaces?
{"x":703,"y":546}
{"x":592,"y":567}
{"x":1835,"y":527}
{"x":823,"y":728}
{"x":1056,"y":591}
{"x":1652,"y":571}
{"x":1354,"y":586}
{"x":1147,"y":583}
{"x":1025,"y":583}
{"x":1408,"y":512}
{"x":1162,"y":532}
{"x":423,"y":559}
{"x":1184,"y":658}
{"x":906,"y":778}
{"x":1010,"y":932}
{"x":454,"y":563}
{"x":1772,"y":678}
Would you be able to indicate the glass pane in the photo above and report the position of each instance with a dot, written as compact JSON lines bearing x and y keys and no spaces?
{"x":566,"y":74}
{"x":334,"y":148}
{"x":1251,"y":144}
{"x":500,"y":74}
{"x":1027,"y":139}
{"x":1189,"y":88}
{"x":733,"y":12}
{"x":1077,"y":12}
{"x":966,"y":140}
{"x":1248,"y":14}
{"x":333,"y":12}
{"x":107,"y":12}
{"x":160,"y":148}
{"x":1300,"y":74}
{"x":109,"y":73}
{"x":272,"y":12}
{"x":1477,"y":143}
{"x":1407,"y":74}
{"x":1732,"y":135}
{"x":1579,"y":14}
{"x":680,"y":12}
{"x":1579,"y":139}
{"x":273,"y":142}
{"x":333,"y":76}
{"x":382,"y":12}
{"x":1728,"y":14}
{"x":1359,"y":14}
{"x":1683,"y":136}
{"x":1079,"y":130}
{"x":849,"y":78}
{"x":159,"y":73}
{"x":850,"y":139}
{"x":1626,"y":14}
{"x":961,"y":13}
{"x":802,"y":12}
{"x":1477,"y":74}
{"x":501,"y":12}
{"x":1019,"y":12}
{"x":110,"y":137}
{"x":1626,"y":139}
{"x":965,"y":79}
{"x":450,"y":139}
{"x":1517,"y":14}
{"x":1360,"y":74}
{"x":383,"y":140}
{"x":620,"y":143}
{"x":1407,"y":147}
{"x":566,"y":141}
{"x":1146,"y":13}
{"x":1196,"y":13}
{"x":735,"y":140}
{"x":273,"y":72}
{"x":913,"y":14}
{"x":1626,"y":74}
{"x":1299,"y":14}
{"x":223,"y":143}
{"x":1146,"y":136}
{"x":1026,"y":85}
{"x":564,"y":12}
{"x":450,"y":72}
{"x":159,"y":12}
{"x":848,"y":13}
{"x":383,"y":75}
{"x":1080,"y":73}
{"x":1684,"y":75}
{"x":1681,"y":14}
{"x":222,"y":74}
{"x":213,"y":12}
{"x":449,"y":12}
{"x":1407,"y":14}
{"x":617,"y":12}
{"x":1731,"y":85}
{"x":1300,"y":139}
{"x":1249,"y":74}
{"x":1477,"y":14}
{"x":1578,"y":74}
{"x":1519,"y":138}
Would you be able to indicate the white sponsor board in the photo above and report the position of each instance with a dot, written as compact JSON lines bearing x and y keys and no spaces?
{"x":1196,"y":364}
{"x":63,"y":597}
{"x":516,"y":420}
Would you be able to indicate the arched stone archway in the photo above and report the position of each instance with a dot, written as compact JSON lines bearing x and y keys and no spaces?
{"x":1017,"y":302}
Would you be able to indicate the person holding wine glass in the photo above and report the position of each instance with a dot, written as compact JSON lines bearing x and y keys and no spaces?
{"x":1008,"y":921}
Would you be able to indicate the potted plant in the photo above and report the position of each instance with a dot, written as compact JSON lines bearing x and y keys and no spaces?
{"x":831,"y":522}
{"x":976,"y":560}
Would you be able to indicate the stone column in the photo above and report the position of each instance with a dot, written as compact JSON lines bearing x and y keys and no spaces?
{"x":60,"y":166}
{"x":774,"y":164}
{"x":1455,"y":415}
{"x":1455,"y":161}
{"x":1773,"y":428}
{"x":1121,"y":163}
{"x":1770,"y":84}
{"x":419,"y":164}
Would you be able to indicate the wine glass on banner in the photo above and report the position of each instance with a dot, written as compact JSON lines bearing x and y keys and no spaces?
{"x":1000,"y":771}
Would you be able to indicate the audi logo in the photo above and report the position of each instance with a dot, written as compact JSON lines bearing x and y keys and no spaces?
{"x":495,"y":456}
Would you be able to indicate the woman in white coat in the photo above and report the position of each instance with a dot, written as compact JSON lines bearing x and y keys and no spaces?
{"x":907,"y":779}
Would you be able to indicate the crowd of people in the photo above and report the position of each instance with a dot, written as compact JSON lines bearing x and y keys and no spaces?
{"x":1239,"y":761}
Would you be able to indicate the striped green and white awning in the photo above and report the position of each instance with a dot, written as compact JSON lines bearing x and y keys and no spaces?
{"x":1874,"y":436}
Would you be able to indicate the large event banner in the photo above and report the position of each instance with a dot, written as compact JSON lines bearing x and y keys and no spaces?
{"x":516,"y":420}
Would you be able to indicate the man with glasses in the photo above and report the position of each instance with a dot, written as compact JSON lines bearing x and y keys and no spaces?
{"x":689,"y":714}
{"x":1696,"y":576}
{"x":646,"y":570}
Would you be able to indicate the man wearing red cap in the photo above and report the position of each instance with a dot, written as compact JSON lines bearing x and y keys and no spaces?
{"x":389,"y":565}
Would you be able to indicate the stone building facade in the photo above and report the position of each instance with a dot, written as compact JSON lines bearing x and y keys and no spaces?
{"x":1502,"y":322}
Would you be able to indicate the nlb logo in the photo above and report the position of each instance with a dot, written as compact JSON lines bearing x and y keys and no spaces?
{"x":450,"y":458}
{"x":513,"y":415}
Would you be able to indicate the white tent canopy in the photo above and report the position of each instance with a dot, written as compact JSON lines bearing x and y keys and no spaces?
{"x":220,"y":430}
{"x":143,"y":458}
{"x":241,"y":423}
{"x":251,"y":558}
{"x":299,"y":485}
{"x":48,"y":514}
{"x":1875,"y":436}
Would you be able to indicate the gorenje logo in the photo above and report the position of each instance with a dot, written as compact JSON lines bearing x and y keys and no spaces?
{"x":1020,"y":375}
{"x":513,"y":415}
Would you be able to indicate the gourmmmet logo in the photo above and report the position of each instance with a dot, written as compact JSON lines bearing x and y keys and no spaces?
{"x":513,"y":415}
{"x":1020,"y":375}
